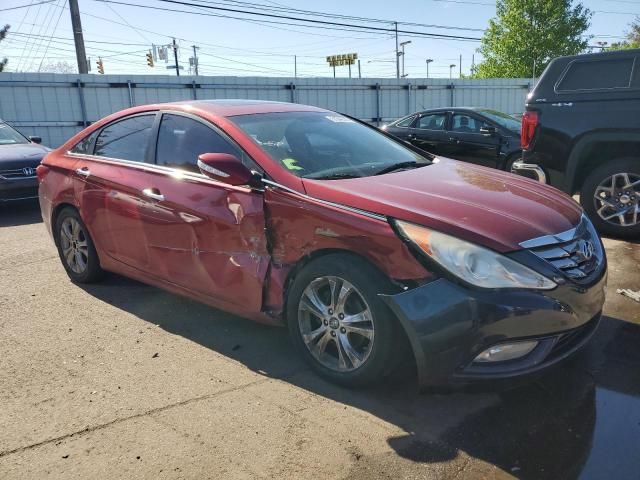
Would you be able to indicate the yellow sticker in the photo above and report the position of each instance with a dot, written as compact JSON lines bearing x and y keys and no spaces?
{"x":290,"y":163}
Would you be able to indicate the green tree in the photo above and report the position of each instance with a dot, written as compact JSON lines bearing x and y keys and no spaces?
{"x":525,"y":33}
{"x":3,"y":34}
{"x":632,"y":40}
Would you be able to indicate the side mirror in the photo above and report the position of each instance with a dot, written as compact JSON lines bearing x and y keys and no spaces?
{"x":35,"y":139}
{"x":224,"y":167}
{"x":488,"y":131}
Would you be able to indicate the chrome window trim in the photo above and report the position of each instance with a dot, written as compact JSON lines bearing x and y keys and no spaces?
{"x":366,"y":213}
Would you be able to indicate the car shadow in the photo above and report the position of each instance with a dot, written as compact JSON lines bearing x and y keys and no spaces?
{"x":25,"y":212}
{"x":579,"y":420}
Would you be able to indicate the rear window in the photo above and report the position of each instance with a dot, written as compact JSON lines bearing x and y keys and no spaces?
{"x":596,"y":75}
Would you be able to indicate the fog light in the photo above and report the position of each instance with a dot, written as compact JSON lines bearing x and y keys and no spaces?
{"x":506,"y":351}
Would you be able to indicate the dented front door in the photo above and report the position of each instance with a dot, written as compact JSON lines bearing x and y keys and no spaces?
{"x":207,"y":237}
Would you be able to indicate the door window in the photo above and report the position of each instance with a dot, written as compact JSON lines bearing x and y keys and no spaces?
{"x":405,"y":122}
{"x":434,"y":121}
{"x":127,"y":139}
{"x":467,"y":124}
{"x":181,"y":140}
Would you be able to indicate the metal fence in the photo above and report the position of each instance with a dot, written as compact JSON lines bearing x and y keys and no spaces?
{"x":56,"y":106}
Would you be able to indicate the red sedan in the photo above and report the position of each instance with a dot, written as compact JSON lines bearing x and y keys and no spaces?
{"x":365,"y":247}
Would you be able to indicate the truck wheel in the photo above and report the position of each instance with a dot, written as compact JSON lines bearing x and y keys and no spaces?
{"x":611,"y":197}
{"x":339,"y":324}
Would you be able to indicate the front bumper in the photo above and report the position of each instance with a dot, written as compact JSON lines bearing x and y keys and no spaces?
{"x":448,"y":325}
{"x":18,"y":189}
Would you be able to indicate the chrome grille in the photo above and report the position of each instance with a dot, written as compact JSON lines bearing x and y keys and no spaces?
{"x":17,"y":173}
{"x":577,"y":253}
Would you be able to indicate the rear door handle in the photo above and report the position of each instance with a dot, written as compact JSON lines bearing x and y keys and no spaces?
{"x":153,"y":193}
{"x":454,"y":140}
{"x":83,"y":172}
{"x":411,"y":136}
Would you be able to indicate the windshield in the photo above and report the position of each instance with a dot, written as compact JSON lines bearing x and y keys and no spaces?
{"x":504,"y":120}
{"x":8,"y":136}
{"x":326,"y":145}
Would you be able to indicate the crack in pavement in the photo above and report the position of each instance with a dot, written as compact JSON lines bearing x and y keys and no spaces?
{"x":131,"y":417}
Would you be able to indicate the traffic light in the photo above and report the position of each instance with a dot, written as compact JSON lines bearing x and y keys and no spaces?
{"x":150,"y":59}
{"x":100,"y":66}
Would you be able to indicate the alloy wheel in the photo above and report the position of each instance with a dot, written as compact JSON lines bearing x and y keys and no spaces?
{"x":617,"y":199}
{"x":73,"y":243}
{"x":336,"y":323}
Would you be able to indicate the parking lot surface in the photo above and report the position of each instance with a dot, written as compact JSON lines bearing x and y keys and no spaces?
{"x":122,"y":380}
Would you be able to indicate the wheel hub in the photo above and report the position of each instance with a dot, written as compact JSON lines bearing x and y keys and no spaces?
{"x":336,"y":323}
{"x":617,"y":199}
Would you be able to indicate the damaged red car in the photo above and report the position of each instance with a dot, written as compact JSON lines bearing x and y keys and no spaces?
{"x":367,"y":248}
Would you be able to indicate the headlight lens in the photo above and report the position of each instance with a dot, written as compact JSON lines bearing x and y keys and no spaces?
{"x":476,"y":265}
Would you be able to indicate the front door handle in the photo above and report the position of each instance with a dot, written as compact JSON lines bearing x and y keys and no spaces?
{"x":153,"y":193}
{"x":83,"y":172}
{"x":411,"y":136}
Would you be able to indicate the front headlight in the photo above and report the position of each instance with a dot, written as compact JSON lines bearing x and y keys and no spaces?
{"x":476,"y":265}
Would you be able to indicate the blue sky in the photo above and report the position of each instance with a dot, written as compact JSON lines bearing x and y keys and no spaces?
{"x":122,"y":34}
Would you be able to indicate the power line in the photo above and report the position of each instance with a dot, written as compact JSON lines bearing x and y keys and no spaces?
{"x":26,"y":6}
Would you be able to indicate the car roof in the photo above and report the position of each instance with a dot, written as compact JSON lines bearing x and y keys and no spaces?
{"x":231,"y":107}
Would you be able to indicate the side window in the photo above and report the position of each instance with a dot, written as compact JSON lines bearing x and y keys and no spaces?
{"x":85,"y":146}
{"x":434,"y":121}
{"x":406,"y":122}
{"x":181,"y":140}
{"x":597,"y":74}
{"x":467,"y":124}
{"x":127,"y":139}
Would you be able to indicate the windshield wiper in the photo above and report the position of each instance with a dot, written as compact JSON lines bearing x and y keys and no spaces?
{"x":398,"y":166}
{"x":333,"y":176}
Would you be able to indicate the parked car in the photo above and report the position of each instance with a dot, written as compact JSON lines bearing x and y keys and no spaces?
{"x":477,"y":135}
{"x":360,"y":243}
{"x":19,"y":157}
{"x":581,"y":134}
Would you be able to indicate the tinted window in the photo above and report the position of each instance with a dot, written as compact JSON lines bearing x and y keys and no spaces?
{"x":504,"y":120}
{"x":432,"y":122}
{"x":85,"y":146}
{"x":466,"y":124}
{"x":593,"y":75}
{"x":324,"y":144}
{"x":181,"y":140}
{"x":405,"y":122}
{"x":127,"y":139}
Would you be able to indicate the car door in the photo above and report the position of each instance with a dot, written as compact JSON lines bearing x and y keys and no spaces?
{"x":203,"y":235}
{"x":108,"y":178}
{"x":469,"y":144}
{"x":428,"y":132}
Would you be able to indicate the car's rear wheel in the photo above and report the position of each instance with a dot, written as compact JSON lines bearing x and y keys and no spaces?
{"x":76,"y":249}
{"x":338,"y":322}
{"x":611,"y":197}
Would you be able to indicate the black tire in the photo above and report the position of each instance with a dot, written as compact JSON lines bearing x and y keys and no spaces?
{"x":369,"y":282}
{"x":588,"y":190}
{"x":92,"y":272}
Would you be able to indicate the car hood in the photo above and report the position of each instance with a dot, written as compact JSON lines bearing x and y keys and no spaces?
{"x":21,"y":155}
{"x":482,"y":205}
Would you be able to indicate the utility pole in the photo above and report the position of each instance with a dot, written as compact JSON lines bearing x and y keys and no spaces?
{"x":195,"y":58}
{"x":429,"y":60}
{"x":295,"y":66}
{"x":76,"y":26}
{"x":397,"y":53}
{"x":359,"y":73}
{"x":175,"y":57}
{"x":473,"y":64}
{"x":460,"y":65}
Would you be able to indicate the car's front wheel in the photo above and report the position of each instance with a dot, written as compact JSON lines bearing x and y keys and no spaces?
{"x":338,"y":322}
{"x":611,"y":197}
{"x":75,"y":247}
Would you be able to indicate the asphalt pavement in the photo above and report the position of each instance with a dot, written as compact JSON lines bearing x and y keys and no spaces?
{"x":122,"y":380}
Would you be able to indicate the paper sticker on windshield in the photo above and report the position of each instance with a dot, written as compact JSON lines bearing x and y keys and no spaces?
{"x":339,"y":119}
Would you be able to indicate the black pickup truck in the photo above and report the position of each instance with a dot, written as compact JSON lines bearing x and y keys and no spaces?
{"x":581,"y":134}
